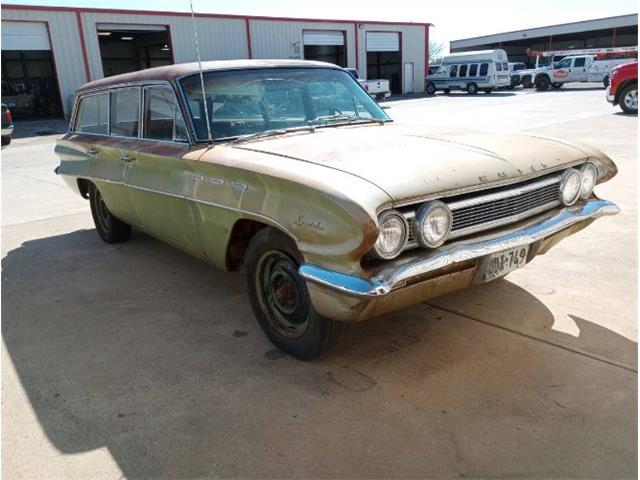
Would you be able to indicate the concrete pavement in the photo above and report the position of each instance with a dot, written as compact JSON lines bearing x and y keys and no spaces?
{"x":136,"y":360}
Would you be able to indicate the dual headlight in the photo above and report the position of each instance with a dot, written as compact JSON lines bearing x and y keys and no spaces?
{"x":433,"y":220}
{"x":432,"y":226}
{"x":577,"y":184}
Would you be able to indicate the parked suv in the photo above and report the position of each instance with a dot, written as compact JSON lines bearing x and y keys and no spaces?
{"x":623,"y":87}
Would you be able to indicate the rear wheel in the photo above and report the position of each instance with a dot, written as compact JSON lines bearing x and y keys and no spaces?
{"x":431,"y":88}
{"x":542,"y":83}
{"x":472,"y":88}
{"x":629,"y":99}
{"x":110,"y":229}
{"x":280,"y":299}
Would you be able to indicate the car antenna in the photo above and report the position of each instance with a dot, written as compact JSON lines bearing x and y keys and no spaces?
{"x":204,"y":95}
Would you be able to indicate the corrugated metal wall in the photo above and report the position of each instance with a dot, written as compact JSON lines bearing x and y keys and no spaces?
{"x":220,"y":38}
{"x":65,"y":42}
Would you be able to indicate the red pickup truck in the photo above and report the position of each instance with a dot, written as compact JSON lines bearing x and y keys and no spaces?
{"x":623,"y":87}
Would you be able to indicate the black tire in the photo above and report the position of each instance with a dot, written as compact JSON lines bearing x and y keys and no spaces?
{"x":446,"y":91}
{"x":605,"y":81}
{"x":526,"y":83}
{"x":110,"y":229}
{"x":542,"y":83}
{"x":472,"y":88}
{"x":6,"y":140}
{"x":280,"y":299}
{"x":430,"y":89}
{"x":629,"y":99}
{"x":557,"y":85}
{"x":489,"y":90}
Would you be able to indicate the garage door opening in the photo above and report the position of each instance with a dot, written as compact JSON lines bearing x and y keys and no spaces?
{"x":127,"y":48}
{"x":29,"y":80}
{"x":325,"y":46}
{"x":384,"y":59}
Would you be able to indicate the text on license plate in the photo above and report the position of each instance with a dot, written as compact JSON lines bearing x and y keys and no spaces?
{"x":501,"y":263}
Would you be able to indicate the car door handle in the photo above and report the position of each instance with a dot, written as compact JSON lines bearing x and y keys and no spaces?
{"x":127,"y":158}
{"x":93,"y":151}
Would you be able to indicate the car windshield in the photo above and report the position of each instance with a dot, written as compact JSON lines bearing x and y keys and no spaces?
{"x":253,"y":101}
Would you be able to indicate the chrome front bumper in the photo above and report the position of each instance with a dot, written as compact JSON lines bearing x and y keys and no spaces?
{"x":388,"y":279}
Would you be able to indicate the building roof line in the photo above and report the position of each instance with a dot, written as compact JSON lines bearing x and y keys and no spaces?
{"x":202,"y":15}
{"x":544,"y":26}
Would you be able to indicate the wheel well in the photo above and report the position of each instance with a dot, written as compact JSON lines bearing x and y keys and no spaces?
{"x":83,"y":186}
{"x":241,"y":234}
{"x":622,"y":86}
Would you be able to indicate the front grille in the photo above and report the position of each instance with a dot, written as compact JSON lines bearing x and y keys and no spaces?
{"x":488,"y":209}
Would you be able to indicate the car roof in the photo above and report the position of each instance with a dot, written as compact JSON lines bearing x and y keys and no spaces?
{"x":172,"y":72}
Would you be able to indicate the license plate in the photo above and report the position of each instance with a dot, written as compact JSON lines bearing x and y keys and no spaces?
{"x":501,"y":263}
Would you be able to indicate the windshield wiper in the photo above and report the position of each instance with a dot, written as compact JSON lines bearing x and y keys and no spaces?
{"x":348,"y":118}
{"x":270,"y":133}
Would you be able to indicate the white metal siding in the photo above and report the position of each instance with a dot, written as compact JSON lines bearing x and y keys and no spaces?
{"x":284,"y":39}
{"x":65,"y":45}
{"x":383,"y":42}
{"x":25,"y":36}
{"x":323,"y":37}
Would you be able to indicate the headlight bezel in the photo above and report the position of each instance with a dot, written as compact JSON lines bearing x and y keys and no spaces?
{"x":588,"y":165}
{"x":563,"y":182}
{"x":421,"y":215}
{"x":384,"y":216}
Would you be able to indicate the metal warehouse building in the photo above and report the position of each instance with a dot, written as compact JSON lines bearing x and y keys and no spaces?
{"x":620,"y":31}
{"x":47,"y":52}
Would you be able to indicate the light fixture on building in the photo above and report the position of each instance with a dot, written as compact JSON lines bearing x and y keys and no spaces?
{"x":104,"y":34}
{"x":165,"y":48}
{"x":126,"y":38}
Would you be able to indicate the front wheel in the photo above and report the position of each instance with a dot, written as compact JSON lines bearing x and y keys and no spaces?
{"x":431,"y":88}
{"x":472,"y":88}
{"x":543,"y":83}
{"x":629,"y":99}
{"x":110,"y":229}
{"x":280,"y":299}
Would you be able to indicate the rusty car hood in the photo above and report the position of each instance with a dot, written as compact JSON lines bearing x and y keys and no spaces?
{"x":409,"y":164}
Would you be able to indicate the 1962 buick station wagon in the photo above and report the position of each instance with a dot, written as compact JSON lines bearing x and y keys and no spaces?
{"x":290,"y":172}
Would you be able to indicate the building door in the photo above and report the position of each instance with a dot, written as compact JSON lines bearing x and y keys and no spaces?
{"x":127,"y":48}
{"x":408,"y":78}
{"x":384,"y":59}
{"x":29,"y":81}
{"x":325,"y":46}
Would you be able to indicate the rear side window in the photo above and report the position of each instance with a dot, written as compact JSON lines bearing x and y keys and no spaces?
{"x":93,"y":114}
{"x":163,"y":119}
{"x":473,"y":70}
{"x":579,"y":62}
{"x":125,"y":112}
{"x":454,"y":71}
{"x":484,"y":69}
{"x":463,"y":71}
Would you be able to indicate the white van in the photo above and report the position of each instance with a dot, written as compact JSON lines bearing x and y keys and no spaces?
{"x":483,"y":70}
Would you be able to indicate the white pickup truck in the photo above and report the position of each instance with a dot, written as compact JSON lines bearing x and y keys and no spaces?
{"x":579,"y":68}
{"x":378,"y":89}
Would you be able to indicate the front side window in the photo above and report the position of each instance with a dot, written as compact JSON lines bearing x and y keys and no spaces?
{"x":484,"y":69}
{"x":473,"y":70}
{"x":125,"y":112}
{"x":463,"y":70}
{"x":579,"y":62}
{"x":93,"y":114}
{"x":162,"y":116}
{"x":244,"y":102}
{"x":564,"y":63}
{"x":454,"y":71}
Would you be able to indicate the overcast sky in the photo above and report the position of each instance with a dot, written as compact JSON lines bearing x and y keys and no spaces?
{"x":452,"y":19}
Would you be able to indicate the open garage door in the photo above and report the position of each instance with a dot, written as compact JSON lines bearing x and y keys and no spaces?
{"x":325,"y":46}
{"x":384,"y":58}
{"x":29,"y":81}
{"x":128,"y":47}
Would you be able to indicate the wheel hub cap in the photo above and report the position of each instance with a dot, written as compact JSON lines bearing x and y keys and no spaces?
{"x":631,"y":99}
